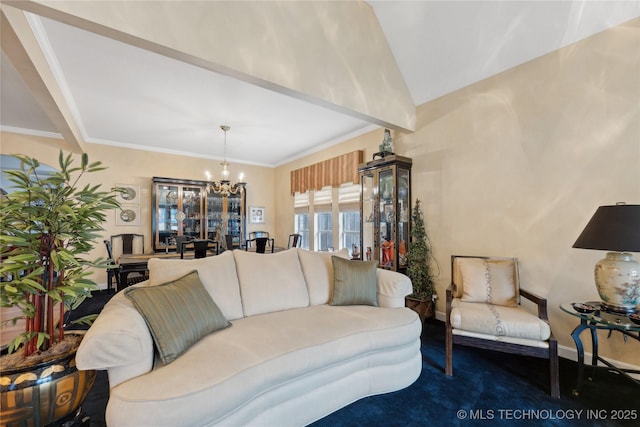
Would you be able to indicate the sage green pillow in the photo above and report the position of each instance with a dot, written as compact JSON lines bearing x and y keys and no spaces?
{"x":354,"y":282}
{"x":178,"y":314}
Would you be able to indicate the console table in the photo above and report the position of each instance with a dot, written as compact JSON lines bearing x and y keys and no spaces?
{"x":600,"y":319}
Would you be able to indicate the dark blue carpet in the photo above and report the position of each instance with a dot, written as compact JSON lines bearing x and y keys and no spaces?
{"x":490,"y":388}
{"x":487,"y":389}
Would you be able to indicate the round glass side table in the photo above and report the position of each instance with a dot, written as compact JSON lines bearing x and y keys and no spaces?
{"x":593,"y":317}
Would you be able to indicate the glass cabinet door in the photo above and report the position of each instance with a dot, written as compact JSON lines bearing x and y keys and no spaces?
{"x":387,"y":220}
{"x":214,"y":215}
{"x":367,"y":215}
{"x":191,"y":224}
{"x":403,"y":216}
{"x":166,"y":208}
{"x":226,"y":215}
{"x":235,"y":220}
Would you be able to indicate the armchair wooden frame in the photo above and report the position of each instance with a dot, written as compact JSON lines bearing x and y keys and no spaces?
{"x":550,"y":352}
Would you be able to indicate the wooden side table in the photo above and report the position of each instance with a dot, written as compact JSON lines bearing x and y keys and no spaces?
{"x":600,"y":319}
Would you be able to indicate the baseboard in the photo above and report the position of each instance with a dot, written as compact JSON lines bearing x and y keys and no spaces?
{"x":571,"y":353}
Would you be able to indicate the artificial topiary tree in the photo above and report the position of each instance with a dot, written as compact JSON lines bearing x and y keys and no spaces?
{"x":419,"y":258}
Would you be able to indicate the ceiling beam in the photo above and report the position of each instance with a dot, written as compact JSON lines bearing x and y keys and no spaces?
{"x":21,"y":47}
{"x":332,"y":54}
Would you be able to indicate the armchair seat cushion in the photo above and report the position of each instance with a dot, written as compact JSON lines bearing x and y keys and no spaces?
{"x":510,"y":340}
{"x":498,"y":321}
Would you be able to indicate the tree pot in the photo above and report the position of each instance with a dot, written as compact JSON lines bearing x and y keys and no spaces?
{"x":43,"y":393}
{"x":424,"y":307}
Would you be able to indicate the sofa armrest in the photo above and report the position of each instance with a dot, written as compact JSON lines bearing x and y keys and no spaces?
{"x":392,"y":288}
{"x":118,"y":341}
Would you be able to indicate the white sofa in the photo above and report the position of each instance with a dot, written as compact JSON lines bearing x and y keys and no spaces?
{"x":288,"y":359}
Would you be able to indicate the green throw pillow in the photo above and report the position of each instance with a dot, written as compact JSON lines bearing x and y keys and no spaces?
{"x":354,"y":282}
{"x":178,"y":313}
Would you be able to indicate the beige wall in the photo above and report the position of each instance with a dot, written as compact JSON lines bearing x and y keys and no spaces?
{"x":516,"y":165}
{"x":127,"y":166}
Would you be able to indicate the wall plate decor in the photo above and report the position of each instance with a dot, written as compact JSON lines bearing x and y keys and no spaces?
{"x":131,"y":193}
{"x":256,"y":214}
{"x":128,"y":215}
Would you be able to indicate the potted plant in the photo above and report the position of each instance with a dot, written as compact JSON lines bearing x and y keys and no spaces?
{"x":48,"y":224}
{"x":419,"y":258}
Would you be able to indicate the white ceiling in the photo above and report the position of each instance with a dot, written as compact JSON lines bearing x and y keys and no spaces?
{"x":126,"y":96}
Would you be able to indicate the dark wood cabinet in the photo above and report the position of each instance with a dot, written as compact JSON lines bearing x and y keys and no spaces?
{"x":185,"y":208}
{"x":385,"y":210}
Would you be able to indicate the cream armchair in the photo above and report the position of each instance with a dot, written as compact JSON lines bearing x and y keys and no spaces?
{"x":484,"y":311}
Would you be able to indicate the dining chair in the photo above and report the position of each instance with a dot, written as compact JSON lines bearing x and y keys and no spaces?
{"x":201,"y":248}
{"x":483,"y":310}
{"x":113,"y":271}
{"x":294,"y":240}
{"x":127,"y":244}
{"x":180,"y":241}
{"x":228,"y":238}
{"x":261,"y":244}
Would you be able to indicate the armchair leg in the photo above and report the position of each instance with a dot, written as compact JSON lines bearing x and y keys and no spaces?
{"x":449,"y":351}
{"x":554,"y":380}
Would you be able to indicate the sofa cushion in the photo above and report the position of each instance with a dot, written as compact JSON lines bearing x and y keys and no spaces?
{"x":270,"y":282}
{"x":217,"y":273}
{"x":178,"y":313}
{"x":354,"y":282}
{"x":318,"y":273}
{"x":489,"y":281}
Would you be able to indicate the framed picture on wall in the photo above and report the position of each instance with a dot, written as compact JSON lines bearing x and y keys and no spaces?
{"x":128,"y":215}
{"x":256,"y":215}
{"x":130,"y":193}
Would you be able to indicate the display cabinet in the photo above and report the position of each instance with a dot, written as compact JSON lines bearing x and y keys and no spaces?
{"x":185,"y":208}
{"x":385,"y":210}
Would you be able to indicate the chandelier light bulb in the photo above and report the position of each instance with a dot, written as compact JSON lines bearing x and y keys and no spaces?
{"x":225,"y":171}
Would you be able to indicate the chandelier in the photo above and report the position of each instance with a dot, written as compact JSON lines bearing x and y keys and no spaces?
{"x":225,"y":187}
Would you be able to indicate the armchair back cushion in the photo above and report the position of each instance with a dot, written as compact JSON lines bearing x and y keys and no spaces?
{"x":271,"y":282}
{"x":217,"y":273}
{"x":491,"y":281}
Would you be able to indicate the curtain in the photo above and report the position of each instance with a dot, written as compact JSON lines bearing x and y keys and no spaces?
{"x":332,"y":172}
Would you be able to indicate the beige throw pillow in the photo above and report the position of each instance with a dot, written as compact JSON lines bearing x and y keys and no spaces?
{"x":488,"y":281}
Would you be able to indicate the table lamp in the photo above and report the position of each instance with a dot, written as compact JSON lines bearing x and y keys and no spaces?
{"x":615,"y":229}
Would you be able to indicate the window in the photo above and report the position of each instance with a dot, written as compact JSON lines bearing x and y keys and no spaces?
{"x":302,"y":228}
{"x":324,"y":231}
{"x":349,"y":229}
{"x":349,"y":208}
{"x":323,"y":225}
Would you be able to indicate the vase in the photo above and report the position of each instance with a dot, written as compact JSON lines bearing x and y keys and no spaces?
{"x":44,"y":393}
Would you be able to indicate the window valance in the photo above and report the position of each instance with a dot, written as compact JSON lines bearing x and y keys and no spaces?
{"x":331,"y":172}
